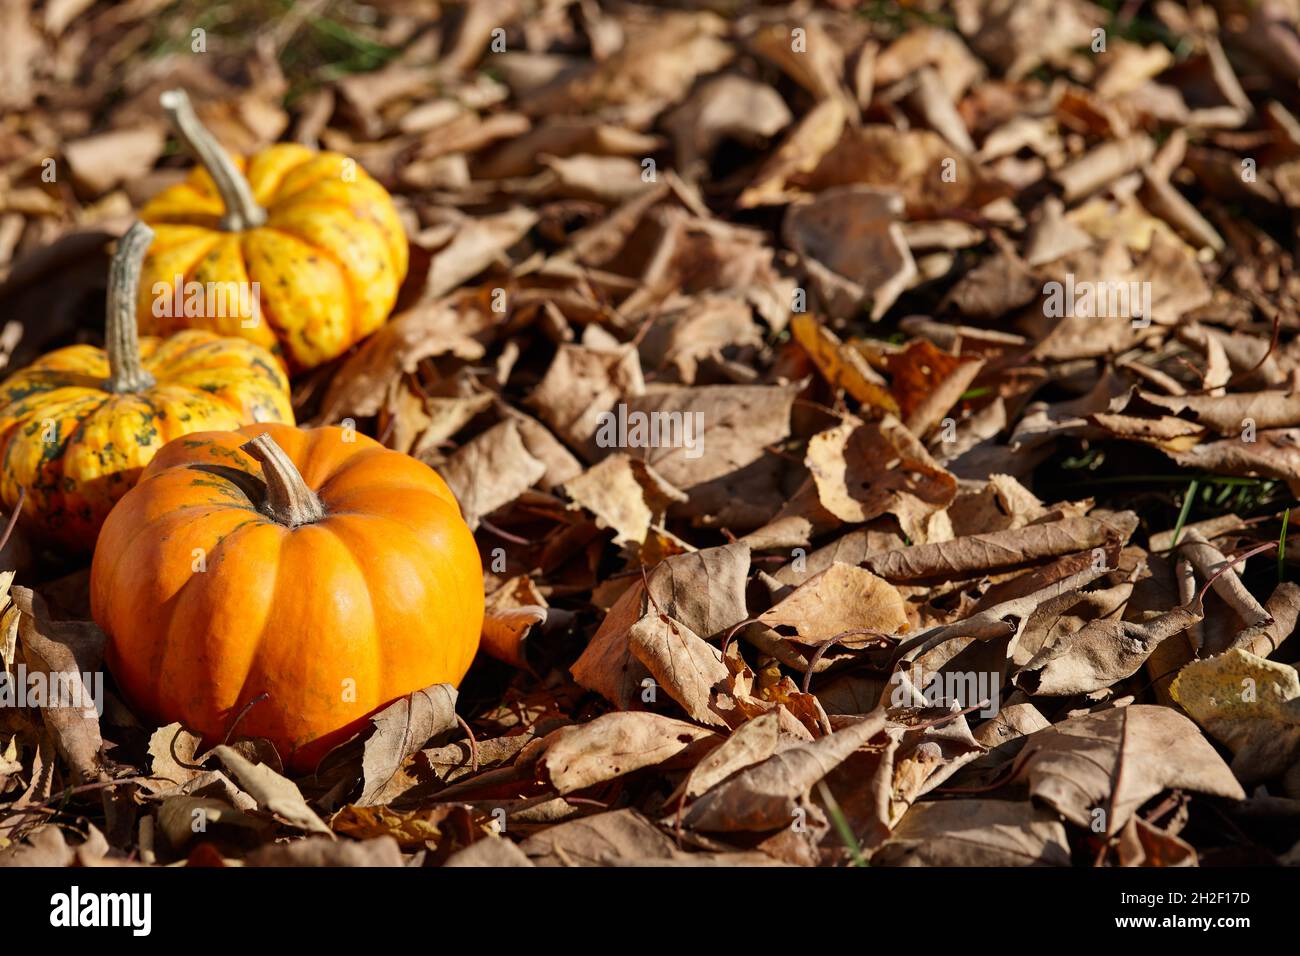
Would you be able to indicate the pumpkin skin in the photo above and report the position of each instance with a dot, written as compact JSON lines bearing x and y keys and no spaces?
{"x":383,"y":595}
{"x":328,"y":260}
{"x":77,"y":444}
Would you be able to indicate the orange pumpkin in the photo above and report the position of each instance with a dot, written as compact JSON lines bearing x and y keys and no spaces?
{"x":78,"y":424}
{"x":316,"y":237}
{"x":313,"y":566}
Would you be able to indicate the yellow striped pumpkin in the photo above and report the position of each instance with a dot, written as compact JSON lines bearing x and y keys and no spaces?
{"x":312,"y":232}
{"x":79,"y":424}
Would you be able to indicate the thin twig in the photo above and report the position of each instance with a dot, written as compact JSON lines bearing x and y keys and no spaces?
{"x":1266,"y":546}
{"x":502,"y":533}
{"x":13,"y":518}
{"x":473,"y":744}
{"x":830,"y":642}
{"x":244,"y":713}
{"x":176,"y":757}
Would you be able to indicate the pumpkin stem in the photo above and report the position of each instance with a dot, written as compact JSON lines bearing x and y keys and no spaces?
{"x":288,"y":499}
{"x":242,"y":210}
{"x":126,"y":373}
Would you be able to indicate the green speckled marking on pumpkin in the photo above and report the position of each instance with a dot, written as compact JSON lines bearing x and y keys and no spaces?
{"x":224,"y":488}
{"x":65,"y":387}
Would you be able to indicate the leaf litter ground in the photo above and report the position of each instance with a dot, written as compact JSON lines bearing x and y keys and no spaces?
{"x":865,"y":416}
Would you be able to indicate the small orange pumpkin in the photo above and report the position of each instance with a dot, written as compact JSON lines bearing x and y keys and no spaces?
{"x":313,"y":566}
{"x":312,"y":232}
{"x":78,"y":424}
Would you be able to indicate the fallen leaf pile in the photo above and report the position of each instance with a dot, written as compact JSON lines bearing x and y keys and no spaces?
{"x":864,"y":413}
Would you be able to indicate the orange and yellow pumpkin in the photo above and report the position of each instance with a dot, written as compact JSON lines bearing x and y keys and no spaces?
{"x":78,"y":424}
{"x":317,"y":235}
{"x":312,"y":566}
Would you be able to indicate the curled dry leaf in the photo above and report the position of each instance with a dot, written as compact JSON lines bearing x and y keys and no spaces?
{"x":625,"y":494}
{"x":724,"y":107}
{"x":841,"y":366}
{"x":1273,"y":454}
{"x":818,"y":68}
{"x":179,"y":814}
{"x":402,"y":728}
{"x":613,"y":745}
{"x":655,"y":68}
{"x":926,"y":757}
{"x":273,"y":793}
{"x":1283,"y":608}
{"x":1103,"y":766}
{"x":492,"y":470}
{"x":689,"y":669}
{"x":927,"y":383}
{"x":103,"y":161}
{"x":607,"y":179}
{"x":455,"y":760}
{"x":581,"y":385}
{"x":708,"y":331}
{"x":765,"y":796}
{"x":48,"y":847}
{"x":410,"y":828}
{"x":171,"y":748}
{"x":905,"y":162}
{"x":1226,"y":414}
{"x":752,"y":742}
{"x":799,"y":153}
{"x":1144,"y":844}
{"x":1100,"y":654}
{"x":477,"y":244}
{"x":702,"y":590}
{"x":65,"y":653}
{"x":509,"y":616}
{"x":999,"y":550}
{"x":437,"y":328}
{"x":864,"y":470}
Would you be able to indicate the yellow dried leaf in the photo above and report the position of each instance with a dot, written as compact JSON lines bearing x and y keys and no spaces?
{"x":410,"y":829}
{"x":511,"y":613}
{"x":1250,"y":703}
{"x":839,"y":364}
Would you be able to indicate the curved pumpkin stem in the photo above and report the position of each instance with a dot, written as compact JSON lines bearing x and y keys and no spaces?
{"x":242,"y":210}
{"x":288,"y":499}
{"x":126,"y":373}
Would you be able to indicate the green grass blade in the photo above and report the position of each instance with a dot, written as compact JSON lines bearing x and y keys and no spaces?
{"x":841,"y":824}
{"x":1281,"y":547}
{"x":1188,"y":498}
